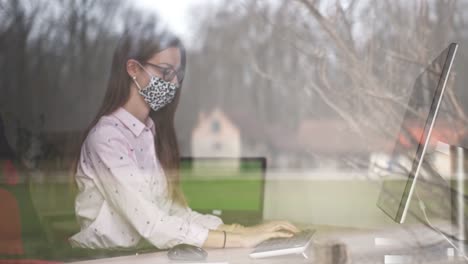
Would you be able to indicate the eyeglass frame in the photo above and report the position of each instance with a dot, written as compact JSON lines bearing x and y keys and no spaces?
{"x":179,"y":73}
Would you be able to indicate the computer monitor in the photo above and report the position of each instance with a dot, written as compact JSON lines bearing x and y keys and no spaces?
{"x":232,"y":188}
{"x":412,"y":143}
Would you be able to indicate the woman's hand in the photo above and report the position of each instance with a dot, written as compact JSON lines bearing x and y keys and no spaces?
{"x":251,"y":238}
{"x":261,"y":228}
{"x":240,"y":236}
{"x":272,"y":226}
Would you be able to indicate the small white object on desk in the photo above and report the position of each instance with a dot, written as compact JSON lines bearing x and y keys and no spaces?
{"x":397,"y":259}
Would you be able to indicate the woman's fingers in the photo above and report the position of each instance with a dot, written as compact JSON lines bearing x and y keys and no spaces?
{"x":277,"y":234}
{"x":275,"y":226}
{"x":287,"y":224}
{"x":291,"y":227}
{"x":284,"y":226}
{"x":260,"y":237}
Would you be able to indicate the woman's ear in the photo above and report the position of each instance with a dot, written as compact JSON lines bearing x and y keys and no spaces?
{"x":132,"y":67}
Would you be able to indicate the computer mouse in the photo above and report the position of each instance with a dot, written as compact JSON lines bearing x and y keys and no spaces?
{"x":186,"y":252}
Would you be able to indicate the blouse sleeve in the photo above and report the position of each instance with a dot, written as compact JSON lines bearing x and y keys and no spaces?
{"x":208,"y":221}
{"x":119,"y":180}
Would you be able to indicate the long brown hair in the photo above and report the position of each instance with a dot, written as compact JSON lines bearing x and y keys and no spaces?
{"x":142,"y":47}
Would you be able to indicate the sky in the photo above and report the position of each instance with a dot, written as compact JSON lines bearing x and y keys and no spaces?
{"x":175,"y":12}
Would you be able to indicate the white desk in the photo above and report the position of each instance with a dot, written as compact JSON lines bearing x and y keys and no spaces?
{"x":231,"y":255}
{"x":238,"y":255}
{"x":356,"y":241}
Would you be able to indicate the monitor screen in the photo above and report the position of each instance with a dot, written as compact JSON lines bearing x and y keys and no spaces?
{"x":414,"y":135}
{"x":231,"y":188}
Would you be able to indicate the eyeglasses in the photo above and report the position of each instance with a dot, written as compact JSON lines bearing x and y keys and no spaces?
{"x":167,"y":71}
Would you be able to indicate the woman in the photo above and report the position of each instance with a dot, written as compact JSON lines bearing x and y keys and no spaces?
{"x":127,"y":171}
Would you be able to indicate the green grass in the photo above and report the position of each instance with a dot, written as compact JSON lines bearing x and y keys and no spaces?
{"x":212,"y":185}
{"x":227,"y":194}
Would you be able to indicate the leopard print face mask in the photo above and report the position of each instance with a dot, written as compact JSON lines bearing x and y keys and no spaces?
{"x":158,"y":93}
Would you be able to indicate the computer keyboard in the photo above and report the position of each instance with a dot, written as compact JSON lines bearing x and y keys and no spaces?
{"x":283,"y":246}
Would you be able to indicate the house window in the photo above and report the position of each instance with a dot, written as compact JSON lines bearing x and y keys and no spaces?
{"x":215,"y":126}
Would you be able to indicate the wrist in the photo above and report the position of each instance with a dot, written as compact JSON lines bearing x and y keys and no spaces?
{"x":223,"y":227}
{"x":234,"y":228}
{"x":237,"y":228}
{"x":234,"y":240}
